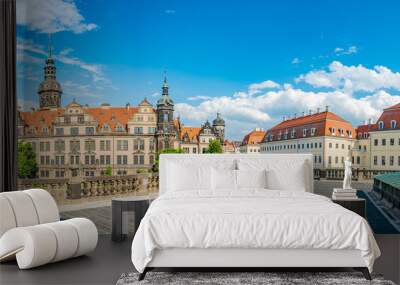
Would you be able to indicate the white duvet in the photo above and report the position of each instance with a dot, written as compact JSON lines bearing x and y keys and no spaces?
{"x":250,"y":219}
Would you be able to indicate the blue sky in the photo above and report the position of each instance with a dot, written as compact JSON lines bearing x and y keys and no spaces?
{"x":254,"y":61}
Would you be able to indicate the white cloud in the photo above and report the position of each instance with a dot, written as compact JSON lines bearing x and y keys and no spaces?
{"x":248,"y":109}
{"x":258,"y":87}
{"x":52,"y":16}
{"x":296,"y":60}
{"x":341,"y":51}
{"x":198,"y":97}
{"x":353,"y":78}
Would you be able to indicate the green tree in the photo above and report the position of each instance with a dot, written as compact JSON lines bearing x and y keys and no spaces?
{"x":167,"y":150}
{"x":214,"y":146}
{"x":108,"y":171}
{"x":27,"y":166}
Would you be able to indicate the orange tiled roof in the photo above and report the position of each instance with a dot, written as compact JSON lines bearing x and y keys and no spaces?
{"x":324,"y":123}
{"x":41,"y":118}
{"x":191,"y":131}
{"x":390,"y":114}
{"x":112,"y":115}
{"x":254,"y":137}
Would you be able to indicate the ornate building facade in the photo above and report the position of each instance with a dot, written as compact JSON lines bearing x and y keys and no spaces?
{"x":82,"y":141}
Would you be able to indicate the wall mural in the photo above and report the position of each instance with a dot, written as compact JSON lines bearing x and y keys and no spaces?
{"x":103,"y":91}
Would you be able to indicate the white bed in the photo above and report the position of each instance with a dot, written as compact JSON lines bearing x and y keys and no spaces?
{"x":202,"y":220}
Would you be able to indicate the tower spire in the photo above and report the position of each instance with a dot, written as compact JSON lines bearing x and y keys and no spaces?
{"x":49,"y":45}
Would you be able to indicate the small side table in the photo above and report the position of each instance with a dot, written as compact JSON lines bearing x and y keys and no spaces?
{"x":358,"y":205}
{"x":121,"y":207}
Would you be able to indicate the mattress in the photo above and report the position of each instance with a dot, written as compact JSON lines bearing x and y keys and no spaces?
{"x":250,"y":219}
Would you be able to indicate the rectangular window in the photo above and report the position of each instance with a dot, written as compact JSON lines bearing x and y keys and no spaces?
{"x":135,"y":160}
{"x":330,"y":159}
{"x":391,"y":141}
{"x":141,"y":144}
{"x":74,"y":131}
{"x":89,"y":131}
{"x":122,"y":159}
{"x":383,"y":141}
{"x":151,"y":159}
{"x":138,"y":130}
{"x":141,"y":159}
{"x":375,"y":142}
{"x":87,"y":159}
{"x":336,"y":159}
{"x":59,"y":131}
{"x":151,"y":130}
{"x":330,"y":145}
{"x":375,"y":160}
{"x":74,"y":146}
{"x":151,"y":145}
{"x":90,"y":145}
{"x":108,"y":159}
{"x":358,"y":160}
{"x":105,"y":145}
{"x":194,"y":150}
{"x":383,"y":159}
{"x":122,"y":145}
{"x":391,"y":160}
{"x":59,"y":146}
{"x":337,"y":145}
{"x":102,"y":160}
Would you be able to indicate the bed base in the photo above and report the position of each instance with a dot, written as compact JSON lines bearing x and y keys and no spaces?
{"x":363,"y":270}
{"x":250,"y":259}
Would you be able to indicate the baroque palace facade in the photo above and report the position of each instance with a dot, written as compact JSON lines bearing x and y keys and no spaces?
{"x":78,"y":141}
{"x":331,"y":139}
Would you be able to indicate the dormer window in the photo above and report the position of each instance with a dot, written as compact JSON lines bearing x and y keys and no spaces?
{"x":333,"y":131}
{"x":280,"y":135}
{"x":381,"y":125}
{"x":393,"y":124}
{"x":304,"y":132}
{"x":341,"y":132}
{"x":45,"y":130}
{"x":293,"y":134}
{"x":365,"y":135}
{"x":350,"y":133}
{"x":313,"y":130}
{"x":106,"y":128}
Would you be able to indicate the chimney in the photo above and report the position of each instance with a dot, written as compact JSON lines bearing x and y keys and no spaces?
{"x":310,"y":112}
{"x":295,"y":116}
{"x":369,"y":121}
{"x":284,"y":118}
{"x":303,"y":114}
{"x":33,"y":109}
{"x":128,"y":106}
{"x":326,"y":108}
{"x":318,"y":110}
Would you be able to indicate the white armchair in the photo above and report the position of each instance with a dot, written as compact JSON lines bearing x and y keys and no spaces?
{"x":31,"y":230}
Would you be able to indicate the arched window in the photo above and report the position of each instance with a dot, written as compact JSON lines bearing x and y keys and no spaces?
{"x":381,"y":125}
{"x":393,"y":124}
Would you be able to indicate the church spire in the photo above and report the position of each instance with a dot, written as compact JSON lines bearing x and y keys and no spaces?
{"x":49,"y":45}
{"x":165,"y":85}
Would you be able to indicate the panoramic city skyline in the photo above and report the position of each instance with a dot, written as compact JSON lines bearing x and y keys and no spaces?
{"x":245,"y":62}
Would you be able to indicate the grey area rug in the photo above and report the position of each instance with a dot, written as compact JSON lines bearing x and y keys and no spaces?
{"x":228,"y":278}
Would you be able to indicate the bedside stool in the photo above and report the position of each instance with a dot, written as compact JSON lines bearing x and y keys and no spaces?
{"x":358,"y":205}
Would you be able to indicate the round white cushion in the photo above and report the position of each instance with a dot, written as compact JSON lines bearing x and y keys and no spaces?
{"x":41,"y":244}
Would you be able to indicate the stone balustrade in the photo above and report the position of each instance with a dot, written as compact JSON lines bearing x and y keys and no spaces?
{"x":93,"y":188}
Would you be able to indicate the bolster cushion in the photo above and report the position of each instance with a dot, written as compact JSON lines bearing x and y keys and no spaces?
{"x":40,"y":244}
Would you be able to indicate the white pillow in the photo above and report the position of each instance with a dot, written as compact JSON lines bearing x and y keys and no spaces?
{"x":287,"y":175}
{"x":251,"y":178}
{"x":184,"y":178}
{"x":223,"y":179}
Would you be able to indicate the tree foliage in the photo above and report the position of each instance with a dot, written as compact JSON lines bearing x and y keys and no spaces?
{"x":214,"y":146}
{"x":27,"y":166}
{"x":108,"y":171}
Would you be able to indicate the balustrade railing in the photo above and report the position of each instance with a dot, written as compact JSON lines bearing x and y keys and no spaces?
{"x":64,"y":190}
